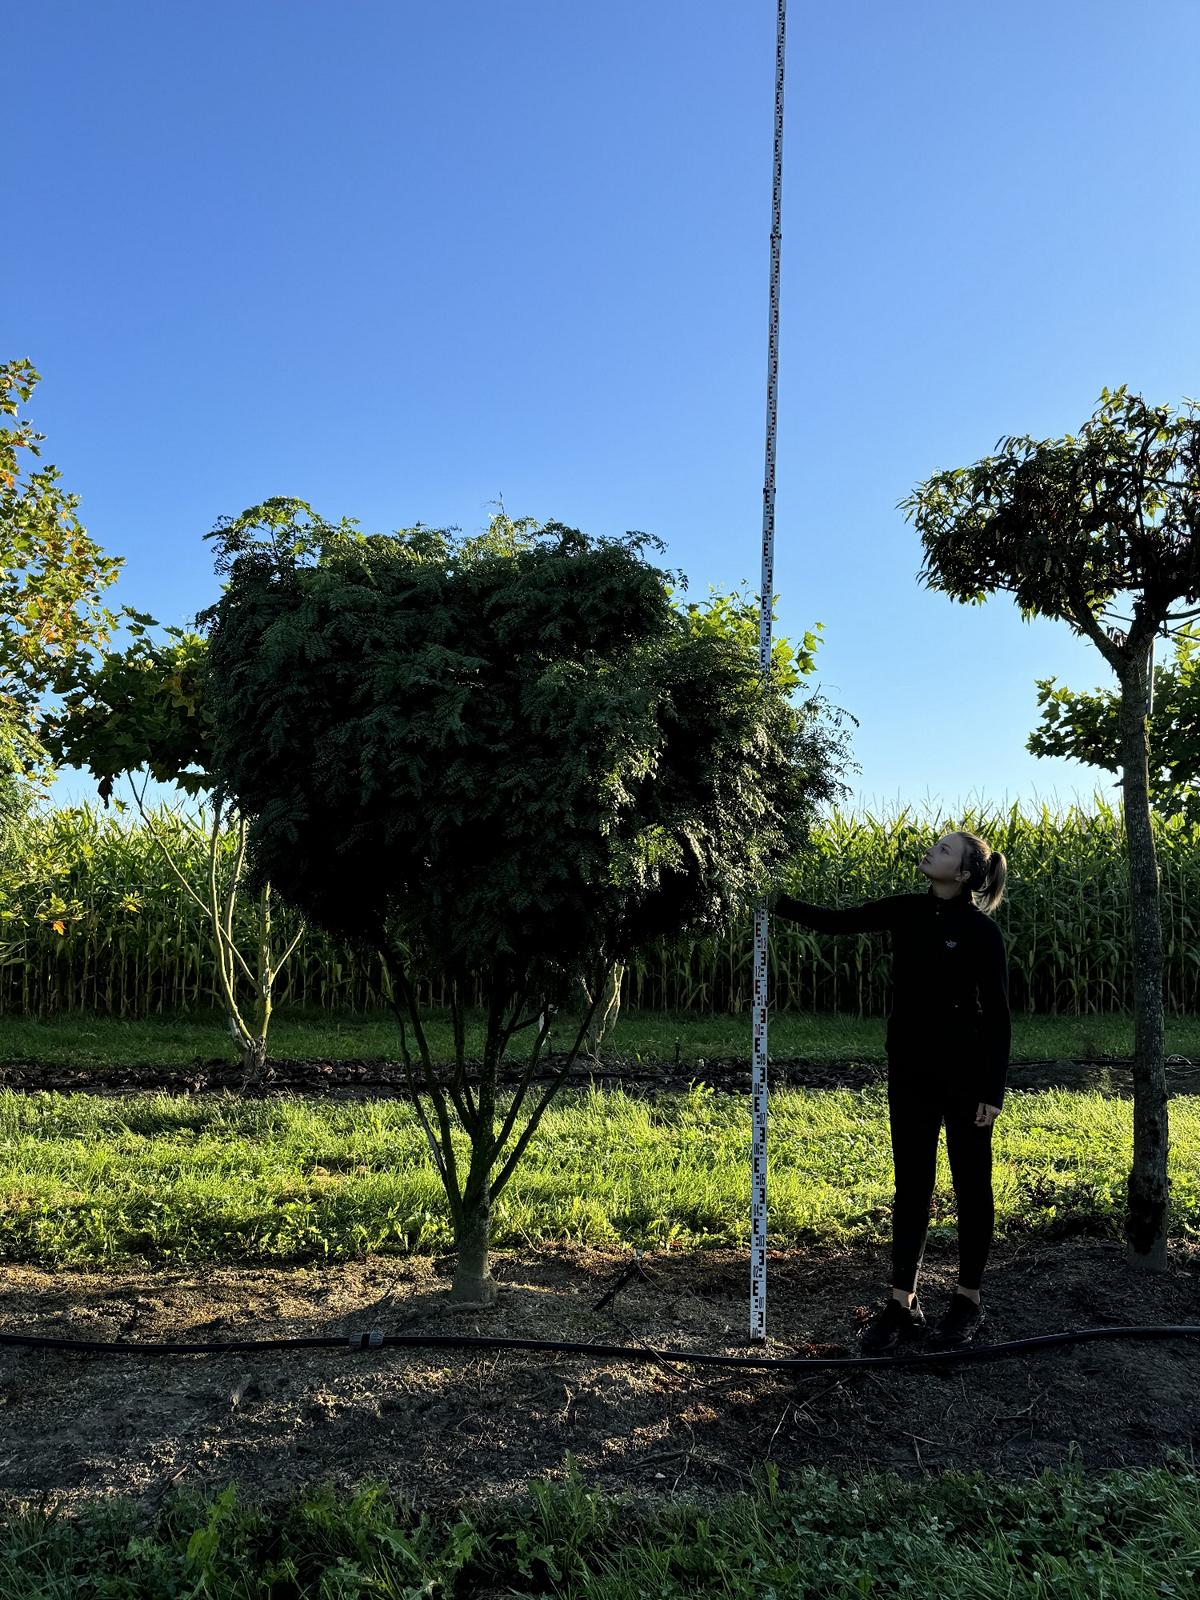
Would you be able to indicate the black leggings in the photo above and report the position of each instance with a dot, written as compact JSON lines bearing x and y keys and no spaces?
{"x":920,"y":1096}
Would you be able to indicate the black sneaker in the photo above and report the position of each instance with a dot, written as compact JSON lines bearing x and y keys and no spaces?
{"x":958,"y":1326}
{"x":893,"y":1324}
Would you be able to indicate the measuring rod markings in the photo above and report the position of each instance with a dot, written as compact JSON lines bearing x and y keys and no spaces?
{"x":758,"y":1161}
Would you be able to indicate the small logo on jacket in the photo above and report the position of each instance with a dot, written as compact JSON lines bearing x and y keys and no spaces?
{"x":950,"y":943}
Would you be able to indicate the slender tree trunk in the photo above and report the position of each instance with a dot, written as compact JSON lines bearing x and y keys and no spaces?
{"x":254,"y":1038}
{"x":1146,"y":1212}
{"x":608,"y":1007}
{"x":473,"y":1282}
{"x":255,"y":1070}
{"x":495,"y":1152}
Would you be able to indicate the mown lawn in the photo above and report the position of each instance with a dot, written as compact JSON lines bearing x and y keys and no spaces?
{"x":93,"y":1180}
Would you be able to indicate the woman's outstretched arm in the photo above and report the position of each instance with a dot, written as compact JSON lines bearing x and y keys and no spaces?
{"x":873,"y":916}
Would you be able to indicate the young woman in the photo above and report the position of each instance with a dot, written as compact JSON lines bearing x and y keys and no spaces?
{"x":947,"y":1042}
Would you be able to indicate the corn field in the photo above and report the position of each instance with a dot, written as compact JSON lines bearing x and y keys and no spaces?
{"x":94,"y":921}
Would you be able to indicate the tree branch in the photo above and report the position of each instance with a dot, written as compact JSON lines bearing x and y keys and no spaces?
{"x":223,"y":931}
{"x":444,"y":1159}
{"x":526,"y":1079}
{"x":507,"y":1030}
{"x":556,"y":1083}
{"x":460,"y":1086}
{"x":1082,"y":614}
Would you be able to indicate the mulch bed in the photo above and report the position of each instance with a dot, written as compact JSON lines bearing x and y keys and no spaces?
{"x":445,"y":1426}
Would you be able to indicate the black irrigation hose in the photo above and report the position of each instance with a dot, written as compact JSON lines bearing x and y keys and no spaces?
{"x":376,"y":1339}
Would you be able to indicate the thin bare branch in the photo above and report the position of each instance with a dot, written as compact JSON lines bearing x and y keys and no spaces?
{"x":444,"y":1158}
{"x":556,"y":1083}
{"x":522,"y":1087}
{"x":153,"y":831}
{"x":460,"y":1084}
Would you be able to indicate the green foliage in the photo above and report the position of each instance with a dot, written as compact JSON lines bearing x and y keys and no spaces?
{"x":51,"y":579}
{"x":478,"y":753}
{"x":1086,"y":727}
{"x":141,"y":708}
{"x":810,"y":1532}
{"x":1065,"y":524}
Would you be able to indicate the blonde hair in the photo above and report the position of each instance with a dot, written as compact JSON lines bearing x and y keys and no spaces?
{"x":987,"y":868}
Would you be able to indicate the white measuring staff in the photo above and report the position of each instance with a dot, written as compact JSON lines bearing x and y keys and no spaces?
{"x":758,"y":1159}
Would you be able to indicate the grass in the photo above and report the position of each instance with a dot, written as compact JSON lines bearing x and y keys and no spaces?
{"x":83,"y":1041}
{"x":1124,"y":1535}
{"x":93,"y":1181}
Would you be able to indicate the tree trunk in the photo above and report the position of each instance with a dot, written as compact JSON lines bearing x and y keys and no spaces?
{"x":255,"y":1070}
{"x":1146,"y":1211}
{"x":607,"y":1010}
{"x":473,"y":1284}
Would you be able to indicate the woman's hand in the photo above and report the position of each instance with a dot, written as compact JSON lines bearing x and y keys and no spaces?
{"x":986,"y":1115}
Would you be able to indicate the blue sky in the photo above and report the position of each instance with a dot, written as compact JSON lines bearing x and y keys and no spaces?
{"x":407,"y":261}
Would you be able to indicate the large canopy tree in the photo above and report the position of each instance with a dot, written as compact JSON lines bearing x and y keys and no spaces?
{"x":1069,"y":526}
{"x":520,"y":765}
{"x":52,"y":576}
{"x":51,"y":579}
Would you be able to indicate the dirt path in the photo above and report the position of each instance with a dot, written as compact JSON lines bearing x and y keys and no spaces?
{"x":445,"y":1426}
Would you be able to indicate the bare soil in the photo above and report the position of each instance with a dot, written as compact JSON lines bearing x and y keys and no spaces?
{"x":443,"y":1427}
{"x":370,"y":1079}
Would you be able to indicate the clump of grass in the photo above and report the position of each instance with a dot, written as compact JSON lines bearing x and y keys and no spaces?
{"x":956,"y":1535}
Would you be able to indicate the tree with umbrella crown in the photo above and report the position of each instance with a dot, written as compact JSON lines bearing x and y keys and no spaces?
{"x":509,"y":765}
{"x":1065,"y":526}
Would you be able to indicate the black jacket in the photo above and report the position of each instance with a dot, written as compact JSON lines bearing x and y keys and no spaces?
{"x":949,"y":997}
